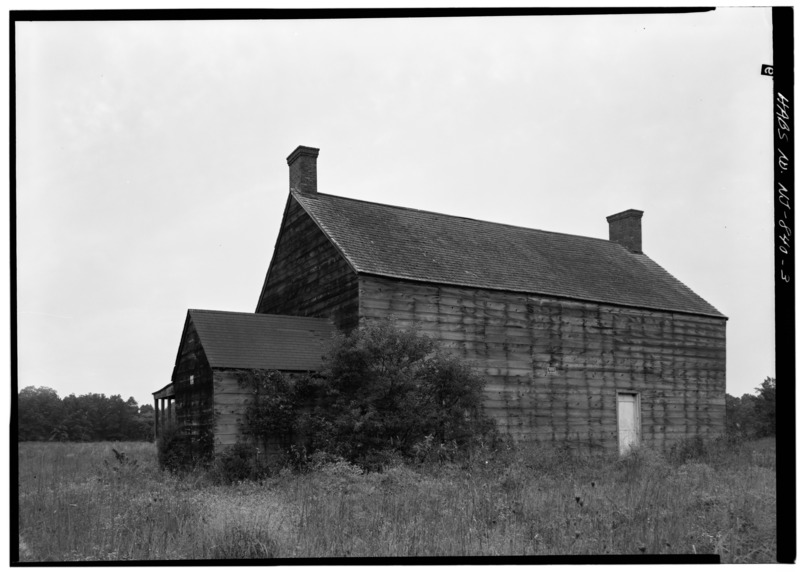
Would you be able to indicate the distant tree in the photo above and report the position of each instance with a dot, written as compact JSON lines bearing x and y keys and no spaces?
{"x":732,"y":405}
{"x":765,"y":408}
{"x":739,"y":415}
{"x":77,"y":424}
{"x":97,"y":408}
{"x":39,"y":412}
{"x":91,"y":417}
{"x":144,"y":423}
{"x":752,"y":415}
{"x":118,"y":416}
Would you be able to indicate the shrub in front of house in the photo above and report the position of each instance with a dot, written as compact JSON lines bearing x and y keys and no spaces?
{"x":174,"y":449}
{"x":180,"y":452}
{"x":392,"y":392}
{"x":241,"y":462}
{"x":385,"y":393}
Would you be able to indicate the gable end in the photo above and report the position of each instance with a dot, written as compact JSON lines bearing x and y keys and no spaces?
{"x":308,"y":275}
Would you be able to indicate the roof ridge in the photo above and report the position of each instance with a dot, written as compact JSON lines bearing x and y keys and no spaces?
{"x":218,"y":311}
{"x":412,"y":209}
{"x":234,"y":312}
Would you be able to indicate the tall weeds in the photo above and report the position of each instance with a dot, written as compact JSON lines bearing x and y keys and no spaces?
{"x":84,"y":502}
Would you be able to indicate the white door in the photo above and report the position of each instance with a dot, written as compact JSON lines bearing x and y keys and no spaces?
{"x":627,"y":421}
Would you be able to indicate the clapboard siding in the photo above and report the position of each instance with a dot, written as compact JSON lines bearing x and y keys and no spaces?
{"x":193,"y":392}
{"x":308,"y":276}
{"x":230,"y":402}
{"x":231,"y":399}
{"x":554,"y":367}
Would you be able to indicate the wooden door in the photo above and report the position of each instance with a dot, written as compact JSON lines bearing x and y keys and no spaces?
{"x":627,"y":421}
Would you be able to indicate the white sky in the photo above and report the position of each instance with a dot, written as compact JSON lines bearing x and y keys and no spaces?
{"x":152,"y":176}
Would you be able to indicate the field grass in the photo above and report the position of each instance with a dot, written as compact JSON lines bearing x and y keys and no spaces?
{"x":80,"y":502}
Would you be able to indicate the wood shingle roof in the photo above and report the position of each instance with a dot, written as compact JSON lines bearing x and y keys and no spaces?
{"x":262,"y":341}
{"x":417,"y":245}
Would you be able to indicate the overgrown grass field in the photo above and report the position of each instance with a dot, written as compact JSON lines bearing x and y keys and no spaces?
{"x":80,"y":502}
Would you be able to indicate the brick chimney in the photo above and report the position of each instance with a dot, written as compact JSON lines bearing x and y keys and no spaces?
{"x":303,"y":169}
{"x":625,"y":228}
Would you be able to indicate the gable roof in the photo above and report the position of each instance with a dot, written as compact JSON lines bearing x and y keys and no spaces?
{"x":261,"y":341}
{"x":417,"y":245}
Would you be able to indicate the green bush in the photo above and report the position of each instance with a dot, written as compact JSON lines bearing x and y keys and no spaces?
{"x":272,"y":413}
{"x":390,"y":392}
{"x":641,"y":463}
{"x":689,"y":449}
{"x":244,"y":462}
{"x":177,"y":451}
{"x":385,"y":394}
{"x":173,"y":448}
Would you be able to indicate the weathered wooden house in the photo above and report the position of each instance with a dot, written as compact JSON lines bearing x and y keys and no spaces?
{"x":205,"y":396}
{"x":583,"y":341}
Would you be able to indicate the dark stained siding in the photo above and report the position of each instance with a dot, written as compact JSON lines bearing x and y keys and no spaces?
{"x":193,"y":399}
{"x":231,"y":400}
{"x":554,"y":367}
{"x":308,"y":276}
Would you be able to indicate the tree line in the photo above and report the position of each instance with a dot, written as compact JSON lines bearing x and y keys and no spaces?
{"x":752,"y":416}
{"x":43,"y":416}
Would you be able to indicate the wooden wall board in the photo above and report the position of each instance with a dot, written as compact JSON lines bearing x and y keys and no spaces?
{"x":308,"y":276}
{"x":539,"y":355}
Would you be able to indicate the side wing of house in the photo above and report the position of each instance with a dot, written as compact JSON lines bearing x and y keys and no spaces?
{"x":237,"y":344}
{"x":308,"y":276}
{"x":192,"y":380}
{"x":232,"y":398}
{"x":557,"y":369}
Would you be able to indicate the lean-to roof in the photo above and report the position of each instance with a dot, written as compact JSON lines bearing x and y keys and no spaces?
{"x":262,"y":341}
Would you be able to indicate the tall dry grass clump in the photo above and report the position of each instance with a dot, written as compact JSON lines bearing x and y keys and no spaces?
{"x":84,"y":502}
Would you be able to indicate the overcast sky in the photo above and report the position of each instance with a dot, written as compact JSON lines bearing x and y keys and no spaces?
{"x":152,"y":176}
